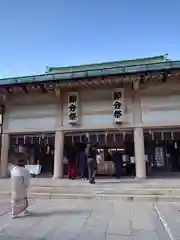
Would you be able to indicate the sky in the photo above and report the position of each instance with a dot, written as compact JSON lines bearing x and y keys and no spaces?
{"x":35,"y":34}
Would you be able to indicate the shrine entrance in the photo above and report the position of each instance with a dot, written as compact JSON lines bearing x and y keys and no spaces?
{"x":107,"y":144}
{"x":39,"y":149}
{"x":163,"y":149}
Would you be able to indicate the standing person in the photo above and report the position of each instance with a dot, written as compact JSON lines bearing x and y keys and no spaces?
{"x":117,"y":160}
{"x":83,"y":161}
{"x":92,"y":162}
{"x":71,"y":156}
{"x":20,"y":178}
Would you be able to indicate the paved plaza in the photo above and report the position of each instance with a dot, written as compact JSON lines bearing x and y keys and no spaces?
{"x":90,"y":219}
{"x":94,"y":218}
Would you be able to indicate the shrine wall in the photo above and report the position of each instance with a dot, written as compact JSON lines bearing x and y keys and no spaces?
{"x":161,"y":105}
{"x":96,"y":110}
{"x":36,"y":112}
{"x":41,"y":112}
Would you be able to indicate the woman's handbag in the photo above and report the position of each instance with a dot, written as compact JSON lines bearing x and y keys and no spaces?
{"x":65,"y":161}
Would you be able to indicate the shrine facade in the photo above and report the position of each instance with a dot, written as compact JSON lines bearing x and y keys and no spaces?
{"x":136,"y":101}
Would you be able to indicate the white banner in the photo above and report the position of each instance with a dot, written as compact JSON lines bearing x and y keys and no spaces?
{"x":34,"y":169}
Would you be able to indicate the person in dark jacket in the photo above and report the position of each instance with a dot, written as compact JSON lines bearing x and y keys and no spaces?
{"x":117,"y":160}
{"x":92,"y":162}
{"x":83,"y":161}
{"x":71,"y":156}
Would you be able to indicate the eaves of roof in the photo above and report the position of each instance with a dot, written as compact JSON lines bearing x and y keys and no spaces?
{"x":73,"y":76}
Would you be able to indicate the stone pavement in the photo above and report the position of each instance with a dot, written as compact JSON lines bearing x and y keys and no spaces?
{"x":170,"y":212}
{"x":80,"y":219}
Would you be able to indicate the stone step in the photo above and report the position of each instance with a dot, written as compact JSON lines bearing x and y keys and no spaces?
{"x":98,"y":190}
{"x":129,"y":197}
{"x":112,"y":190}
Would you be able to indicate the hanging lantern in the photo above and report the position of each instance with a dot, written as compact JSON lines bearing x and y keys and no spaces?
{"x":24,"y":139}
{"x":150,"y":132}
{"x":124,"y":136}
{"x":162,"y":135}
{"x":152,"y":135}
{"x":114,"y":137}
{"x":48,"y":149}
{"x":97,"y":138}
{"x":106,"y":135}
{"x":72,"y":139}
{"x":172,"y":135}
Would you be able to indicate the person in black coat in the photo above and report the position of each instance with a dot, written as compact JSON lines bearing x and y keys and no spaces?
{"x":117,"y":160}
{"x":92,"y":163}
{"x":83,"y":161}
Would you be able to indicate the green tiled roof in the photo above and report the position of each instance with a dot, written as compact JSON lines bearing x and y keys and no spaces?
{"x":154,"y":64}
{"x":105,"y":65}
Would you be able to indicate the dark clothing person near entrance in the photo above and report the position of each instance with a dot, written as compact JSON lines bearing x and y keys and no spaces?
{"x":83,"y":165}
{"x":92,"y":163}
{"x":83,"y":161}
{"x":117,"y":160}
{"x":71,"y":156}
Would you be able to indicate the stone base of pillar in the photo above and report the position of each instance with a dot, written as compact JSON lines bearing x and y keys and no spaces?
{"x":141,"y":178}
{"x":60,"y":175}
{"x":57,"y":177}
{"x":141,"y":171}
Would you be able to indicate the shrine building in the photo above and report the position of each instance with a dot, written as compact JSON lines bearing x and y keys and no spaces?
{"x":131,"y":106}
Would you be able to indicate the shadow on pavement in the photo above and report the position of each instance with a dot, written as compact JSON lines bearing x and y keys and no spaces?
{"x":58,"y":212}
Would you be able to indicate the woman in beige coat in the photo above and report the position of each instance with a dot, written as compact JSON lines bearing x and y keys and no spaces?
{"x":20,"y":178}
